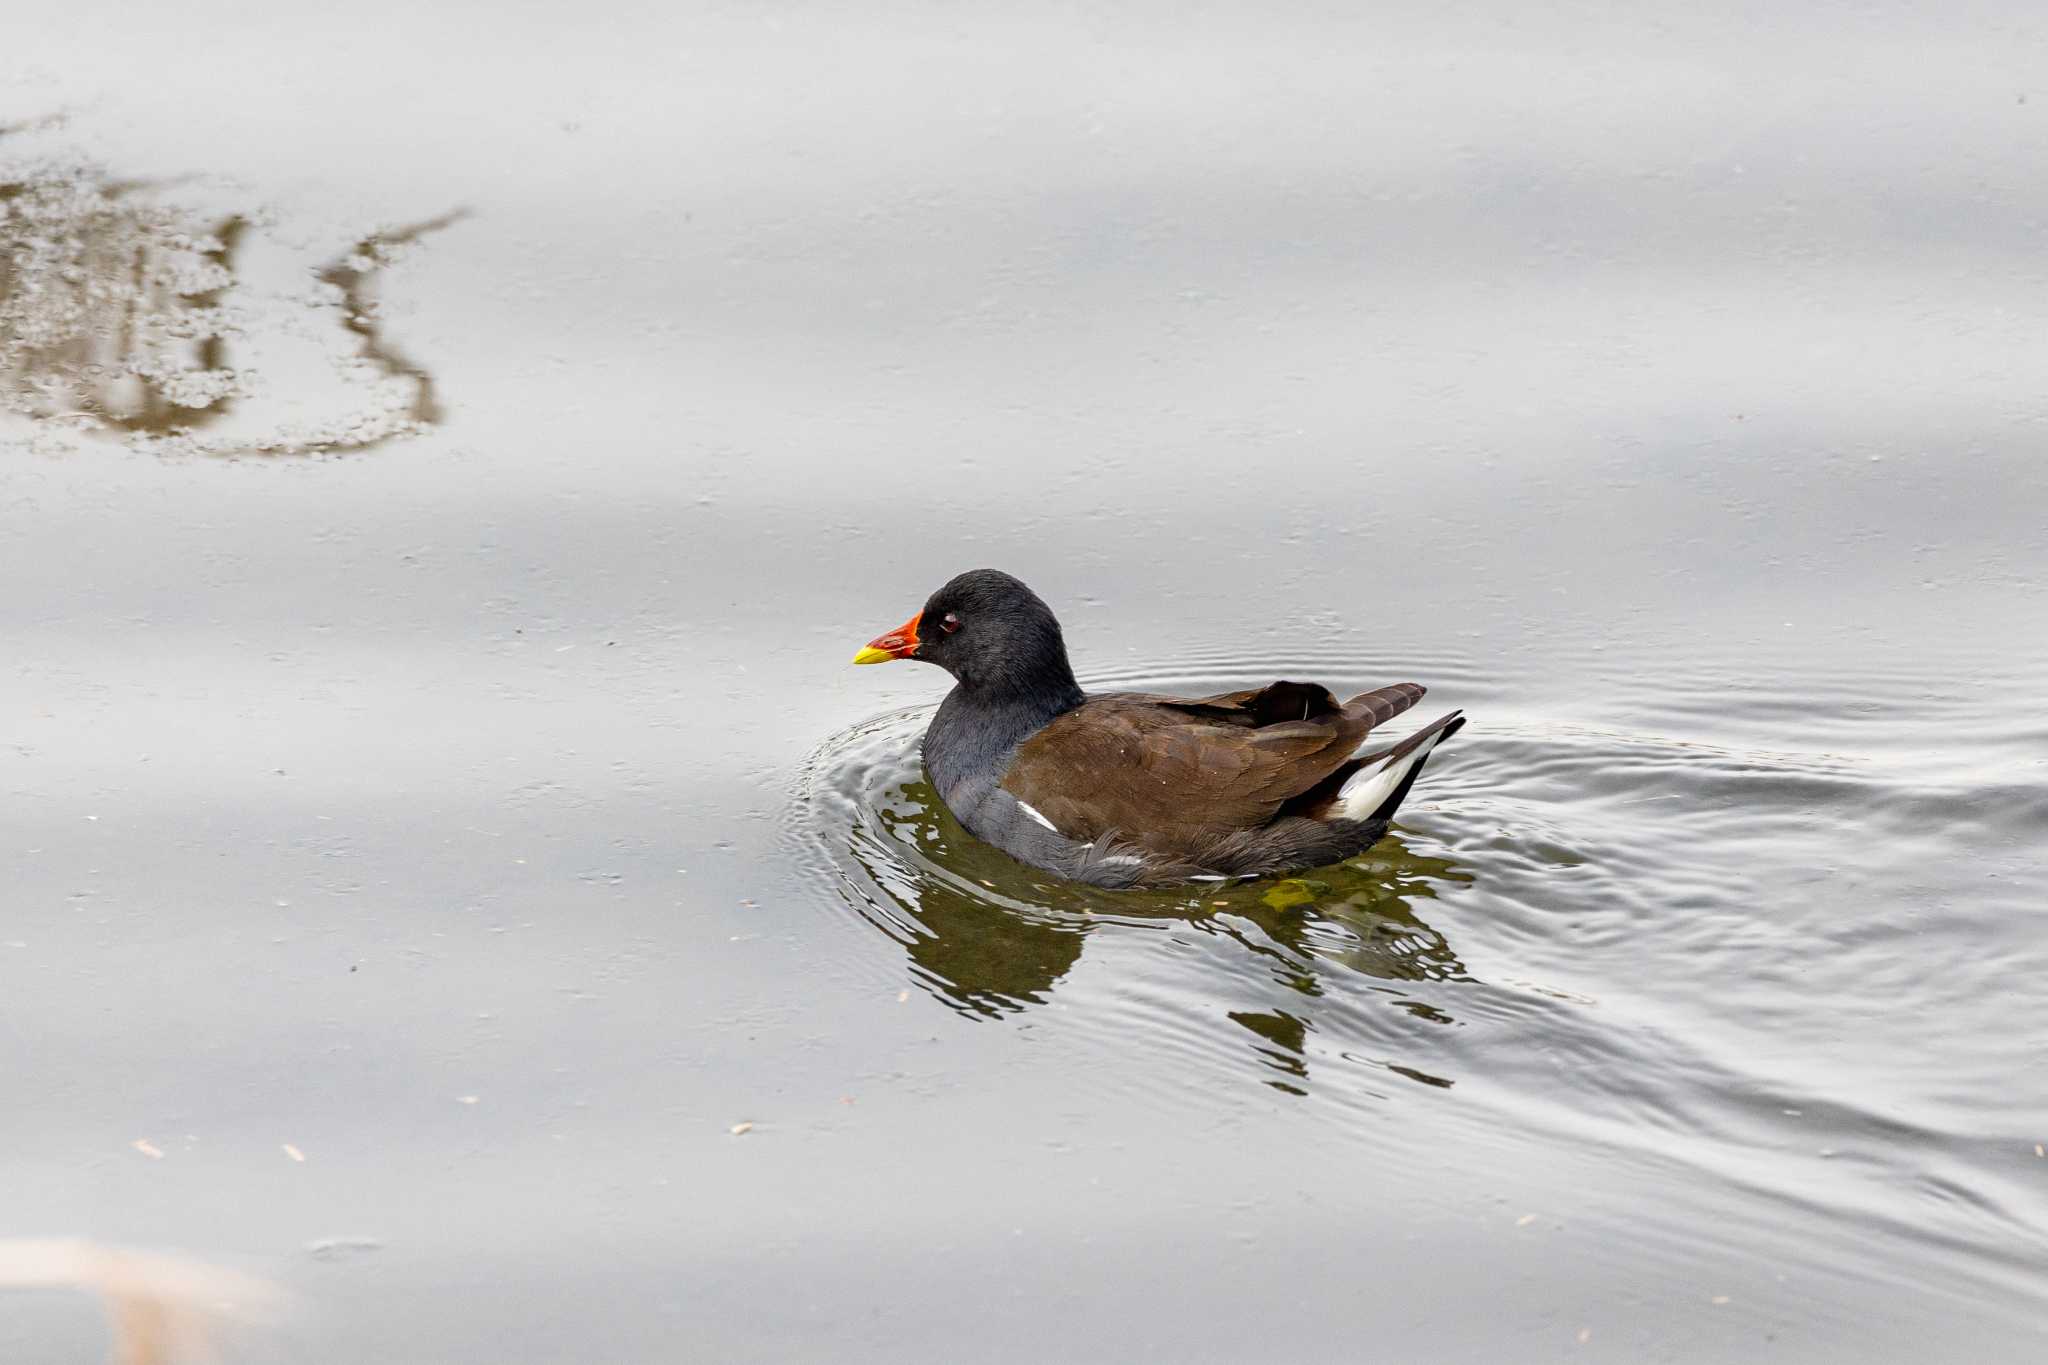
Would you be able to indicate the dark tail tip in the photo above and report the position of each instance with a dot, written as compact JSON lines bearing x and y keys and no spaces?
{"x":1443,"y":730}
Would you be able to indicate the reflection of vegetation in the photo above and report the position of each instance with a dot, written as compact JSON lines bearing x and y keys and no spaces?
{"x":990,"y":936}
{"x":116,"y":314}
{"x":110,"y":308}
{"x":355,"y":275}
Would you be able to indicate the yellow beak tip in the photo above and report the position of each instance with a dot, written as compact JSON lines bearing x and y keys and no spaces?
{"x":871,"y":655}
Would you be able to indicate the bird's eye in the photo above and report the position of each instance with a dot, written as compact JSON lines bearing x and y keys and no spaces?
{"x":948,"y":623}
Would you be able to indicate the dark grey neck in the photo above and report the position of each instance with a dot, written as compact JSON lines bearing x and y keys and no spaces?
{"x":970,"y":741}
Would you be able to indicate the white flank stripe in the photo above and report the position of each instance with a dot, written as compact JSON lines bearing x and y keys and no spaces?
{"x":1032,"y":811}
{"x":1362,"y":795}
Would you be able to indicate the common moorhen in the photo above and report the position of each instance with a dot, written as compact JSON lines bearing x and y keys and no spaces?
{"x":1132,"y":789}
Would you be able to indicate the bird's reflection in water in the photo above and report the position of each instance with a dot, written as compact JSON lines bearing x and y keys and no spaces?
{"x":990,"y":937}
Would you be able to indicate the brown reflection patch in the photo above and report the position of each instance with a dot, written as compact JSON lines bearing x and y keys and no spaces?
{"x":356,"y":275}
{"x":124,"y":315}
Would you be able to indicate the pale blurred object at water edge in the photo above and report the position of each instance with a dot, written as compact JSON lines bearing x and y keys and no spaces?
{"x":161,"y":1309}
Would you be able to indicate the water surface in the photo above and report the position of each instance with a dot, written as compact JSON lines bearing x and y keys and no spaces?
{"x":432,"y":746}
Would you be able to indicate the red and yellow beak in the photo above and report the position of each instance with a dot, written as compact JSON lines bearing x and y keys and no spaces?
{"x":900,"y":643}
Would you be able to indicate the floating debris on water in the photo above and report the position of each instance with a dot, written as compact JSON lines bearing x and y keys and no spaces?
{"x":148,"y":1149}
{"x":739,"y":1128}
{"x":337,"y":1248}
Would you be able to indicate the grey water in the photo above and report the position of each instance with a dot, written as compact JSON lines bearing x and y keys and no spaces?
{"x":448,"y":456}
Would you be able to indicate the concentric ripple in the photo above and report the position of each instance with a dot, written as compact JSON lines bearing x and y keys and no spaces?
{"x":1276,"y":959}
{"x":1673,"y":943}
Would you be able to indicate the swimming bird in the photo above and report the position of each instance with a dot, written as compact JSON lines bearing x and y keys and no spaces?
{"x":1128,"y":789}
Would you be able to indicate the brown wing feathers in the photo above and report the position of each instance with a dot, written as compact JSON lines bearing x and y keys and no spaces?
{"x":1177,"y":772}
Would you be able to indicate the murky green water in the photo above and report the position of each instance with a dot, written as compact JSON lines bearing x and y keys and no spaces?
{"x":431,"y":746}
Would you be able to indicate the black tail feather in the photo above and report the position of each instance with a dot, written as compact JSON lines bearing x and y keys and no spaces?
{"x":1445,"y":728}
